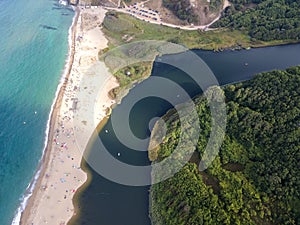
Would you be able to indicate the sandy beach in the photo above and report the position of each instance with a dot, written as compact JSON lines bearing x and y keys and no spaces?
{"x":84,"y":92}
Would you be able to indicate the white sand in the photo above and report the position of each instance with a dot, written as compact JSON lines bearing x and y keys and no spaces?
{"x":90,"y":82}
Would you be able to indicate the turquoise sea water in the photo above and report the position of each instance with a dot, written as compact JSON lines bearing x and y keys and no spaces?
{"x":33,"y":50}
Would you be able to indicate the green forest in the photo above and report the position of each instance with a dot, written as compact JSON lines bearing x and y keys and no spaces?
{"x":255,"y":177}
{"x":264,"y":20}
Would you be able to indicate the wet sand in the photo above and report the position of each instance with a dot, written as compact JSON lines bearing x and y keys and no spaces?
{"x":84,"y":92}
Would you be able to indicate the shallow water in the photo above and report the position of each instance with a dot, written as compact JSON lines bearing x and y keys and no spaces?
{"x":32,"y":60}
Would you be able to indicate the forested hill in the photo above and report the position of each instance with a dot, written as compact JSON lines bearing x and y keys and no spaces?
{"x":264,"y":19}
{"x":255,"y":178}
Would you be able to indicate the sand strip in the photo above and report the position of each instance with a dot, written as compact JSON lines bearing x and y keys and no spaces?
{"x":84,"y":91}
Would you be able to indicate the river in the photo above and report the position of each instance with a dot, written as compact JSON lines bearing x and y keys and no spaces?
{"x":104,"y":202}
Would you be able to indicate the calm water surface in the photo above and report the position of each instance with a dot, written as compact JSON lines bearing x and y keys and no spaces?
{"x":106,"y":203}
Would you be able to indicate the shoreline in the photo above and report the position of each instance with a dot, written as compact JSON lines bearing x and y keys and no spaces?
{"x":250,"y":47}
{"x":30,"y":190}
{"x":36,"y":182}
{"x":50,"y":124}
{"x":84,"y":165}
{"x":33,"y":213}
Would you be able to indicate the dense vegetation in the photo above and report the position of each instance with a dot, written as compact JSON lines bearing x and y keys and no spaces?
{"x":264,"y":19}
{"x":255,"y":178}
{"x":121,"y":29}
{"x":128,"y":76}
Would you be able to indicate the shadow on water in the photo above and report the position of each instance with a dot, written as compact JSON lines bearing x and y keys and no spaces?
{"x":103,"y":202}
{"x":48,"y":27}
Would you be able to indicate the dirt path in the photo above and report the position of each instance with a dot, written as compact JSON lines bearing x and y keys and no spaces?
{"x":201,"y":27}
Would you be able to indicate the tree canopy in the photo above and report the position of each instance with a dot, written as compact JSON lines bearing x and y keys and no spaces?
{"x":264,"y":20}
{"x":255,"y":178}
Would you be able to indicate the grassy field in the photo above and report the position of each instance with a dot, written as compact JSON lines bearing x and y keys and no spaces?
{"x":129,"y":75}
{"x":122,"y":28}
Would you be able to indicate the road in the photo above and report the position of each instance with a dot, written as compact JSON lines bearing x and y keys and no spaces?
{"x":139,"y":11}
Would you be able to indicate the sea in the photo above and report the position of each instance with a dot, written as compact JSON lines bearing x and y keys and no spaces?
{"x":34,"y":37}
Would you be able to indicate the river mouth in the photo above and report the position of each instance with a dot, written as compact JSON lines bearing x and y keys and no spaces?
{"x":105,"y":202}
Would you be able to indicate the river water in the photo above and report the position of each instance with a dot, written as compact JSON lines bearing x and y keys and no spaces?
{"x":104,"y":202}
